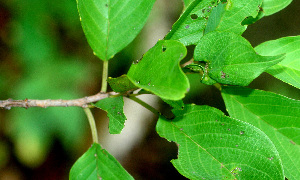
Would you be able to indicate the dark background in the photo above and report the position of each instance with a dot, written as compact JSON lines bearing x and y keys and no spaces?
{"x":44,"y":54}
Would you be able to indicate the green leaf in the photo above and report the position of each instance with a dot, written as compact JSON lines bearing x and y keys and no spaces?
{"x":187,"y":2}
{"x":114,"y":108}
{"x":175,"y":104}
{"x":159,"y":71}
{"x":231,"y":59}
{"x":214,"y":146}
{"x":272,"y":6}
{"x":287,"y":70}
{"x":97,"y":163}
{"x":188,"y":29}
{"x":229,"y":16}
{"x":121,"y":84}
{"x":110,"y":25}
{"x":275,"y":115}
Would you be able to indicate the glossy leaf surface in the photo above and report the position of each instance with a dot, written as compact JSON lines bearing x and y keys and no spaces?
{"x":121,"y":84}
{"x":229,"y":16}
{"x":110,"y":25}
{"x":159,"y":71}
{"x":231,"y":59}
{"x":214,"y":146}
{"x":287,"y":70}
{"x":114,"y":108}
{"x":275,"y":115}
{"x":188,"y":29}
{"x":97,"y":163}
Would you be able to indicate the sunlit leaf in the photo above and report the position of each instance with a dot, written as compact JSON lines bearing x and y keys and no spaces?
{"x":97,"y":163}
{"x":189,"y":28}
{"x":110,"y":25}
{"x":229,"y":16}
{"x":114,"y":108}
{"x":214,"y":146}
{"x":275,"y":115}
{"x":159,"y":71}
{"x":231,"y":59}
{"x":273,"y":6}
{"x":287,"y":70}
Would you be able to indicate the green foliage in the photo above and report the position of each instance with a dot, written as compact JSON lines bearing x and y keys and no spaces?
{"x":114,"y":108}
{"x":214,"y":146}
{"x":275,"y":115}
{"x":164,"y":76}
{"x":97,"y":163}
{"x":110,"y":25}
{"x":121,"y":84}
{"x":287,"y":70}
{"x":231,"y":59}
{"x":272,"y":6}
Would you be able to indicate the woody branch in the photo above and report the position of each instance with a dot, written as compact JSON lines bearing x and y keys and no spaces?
{"x":27,"y":103}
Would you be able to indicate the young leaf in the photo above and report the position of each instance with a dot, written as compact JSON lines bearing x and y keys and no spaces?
{"x":110,"y":25}
{"x":159,"y":71}
{"x":97,"y":163}
{"x":287,"y":70}
{"x":231,"y":59}
{"x":121,"y":84}
{"x":272,"y":6}
{"x":275,"y":115}
{"x":114,"y":108}
{"x":188,"y":29}
{"x":229,"y":16}
{"x":214,"y":146}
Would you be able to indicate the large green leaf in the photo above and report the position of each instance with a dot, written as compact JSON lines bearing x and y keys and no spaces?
{"x":159,"y":71}
{"x":229,"y":16}
{"x":287,"y":70}
{"x":187,"y":2}
{"x":231,"y":59}
{"x":114,"y":108}
{"x":110,"y":25}
{"x":275,"y":115}
{"x":272,"y":6}
{"x":97,"y":163}
{"x":188,"y":29}
{"x":214,"y":146}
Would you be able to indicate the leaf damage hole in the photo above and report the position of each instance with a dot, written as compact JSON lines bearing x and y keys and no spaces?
{"x":164,"y":48}
{"x":194,"y":16}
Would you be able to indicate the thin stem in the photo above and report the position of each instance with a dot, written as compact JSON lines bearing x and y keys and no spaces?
{"x":92,"y":124}
{"x":147,"y":106}
{"x":104,"y":77}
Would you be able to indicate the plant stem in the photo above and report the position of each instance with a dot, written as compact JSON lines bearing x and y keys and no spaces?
{"x":104,"y":77}
{"x":92,"y":124}
{"x":147,"y":106}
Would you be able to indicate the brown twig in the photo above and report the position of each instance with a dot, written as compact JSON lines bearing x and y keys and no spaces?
{"x":27,"y":103}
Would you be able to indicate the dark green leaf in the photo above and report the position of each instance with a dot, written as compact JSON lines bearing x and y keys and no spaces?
{"x":121,"y":84}
{"x":214,"y":146}
{"x":229,"y":16}
{"x":110,"y":25}
{"x":287,"y":70}
{"x":159,"y":71}
{"x":189,"y":28}
{"x":97,"y":163}
{"x":114,"y":108}
{"x":231,"y":59}
{"x":175,"y":104}
{"x":275,"y":115}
